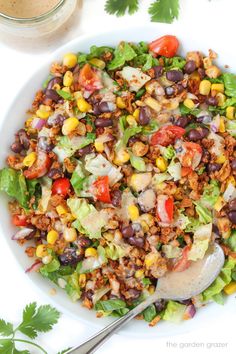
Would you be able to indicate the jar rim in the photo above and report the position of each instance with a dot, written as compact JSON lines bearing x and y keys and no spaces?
{"x":25,"y":20}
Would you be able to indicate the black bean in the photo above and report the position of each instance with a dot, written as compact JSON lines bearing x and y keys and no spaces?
{"x":232,"y":216}
{"x":16,"y":147}
{"x":84,"y":242}
{"x":190,"y":67}
{"x":103,"y":122}
{"x":213,"y":167}
{"x":45,"y":144}
{"x":212,"y":101}
{"x":179,"y":88}
{"x":182,"y":122}
{"x":96,"y":109}
{"x":24,"y":139}
{"x":204,"y":132}
{"x":136,"y":241}
{"x":70,"y":257}
{"x":55,"y":173}
{"x":233,"y":164}
{"x":52,"y":95}
{"x":232,"y":205}
{"x":84,"y":151}
{"x":206,"y":156}
{"x":215,"y":229}
{"x":43,"y":234}
{"x":116,"y":198}
{"x":203,"y":119}
{"x":59,"y":120}
{"x":160,"y":305}
{"x":54,"y":81}
{"x":104,"y":107}
{"x":201,"y":73}
{"x":158,"y":70}
{"x":144,"y":116}
{"x":169,"y":91}
{"x":174,"y":75}
{"x":127,"y":231}
{"x":194,"y":135}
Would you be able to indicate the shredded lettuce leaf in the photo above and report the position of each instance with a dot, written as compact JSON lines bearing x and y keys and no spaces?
{"x":231,"y":241}
{"x":201,"y":239}
{"x":66,"y":147}
{"x":137,"y":162}
{"x":123,"y":53}
{"x":193,"y":225}
{"x":174,"y":312}
{"x":171,"y":251}
{"x":168,"y":152}
{"x":205,"y":215}
{"x":230,"y":84}
{"x":231,"y":127}
{"x":174,"y":169}
{"x":150,"y":313}
{"x":114,"y":251}
{"x":210,"y":194}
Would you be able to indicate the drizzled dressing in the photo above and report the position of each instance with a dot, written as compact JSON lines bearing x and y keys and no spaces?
{"x":26,"y":8}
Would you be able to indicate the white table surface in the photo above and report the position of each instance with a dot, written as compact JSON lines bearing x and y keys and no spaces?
{"x":17,"y":62}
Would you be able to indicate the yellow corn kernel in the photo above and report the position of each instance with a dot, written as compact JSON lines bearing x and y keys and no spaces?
{"x":61,"y":210}
{"x":70,"y":60}
{"x":120,"y":103}
{"x":66,"y":89}
{"x":161,"y":164}
{"x":121,"y":157}
{"x":205,"y":87}
{"x":139,"y":273}
{"x":91,"y":252}
{"x":108,"y":236}
{"x":98,"y":63}
{"x":145,"y":226}
{"x":99,"y":146}
{"x":28,"y":122}
{"x":30,"y":159}
{"x":133,"y":212}
{"x":231,"y":180}
{"x":148,"y":218}
{"x":151,"y":289}
{"x":189,"y":103}
{"x":218,"y":88}
{"x":68,"y":79}
{"x":41,"y":251}
{"x":219,"y":204}
{"x":69,"y":125}
{"x":230,"y":112}
{"x":230,"y":288}
{"x":222,"y":125}
{"x":83,"y":105}
{"x":153,"y":104}
{"x":136,"y":113}
{"x":131,"y":120}
{"x":221,"y":159}
{"x":77,"y":95}
{"x":43,"y":112}
{"x":52,"y":236}
{"x":221,"y":98}
{"x":82,"y":280}
{"x":70,"y":234}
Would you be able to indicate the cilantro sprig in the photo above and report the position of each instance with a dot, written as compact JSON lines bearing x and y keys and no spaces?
{"x":160,"y":10}
{"x":35,"y":320}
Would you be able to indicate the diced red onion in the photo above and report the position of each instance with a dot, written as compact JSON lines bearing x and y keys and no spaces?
{"x":38,"y":123}
{"x":111,"y":106}
{"x":87,"y":93}
{"x":189,"y":312}
{"x":34,"y":267}
{"x":22,"y":233}
{"x":229,"y":193}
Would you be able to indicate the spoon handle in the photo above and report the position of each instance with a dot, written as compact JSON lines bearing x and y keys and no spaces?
{"x":94,"y":342}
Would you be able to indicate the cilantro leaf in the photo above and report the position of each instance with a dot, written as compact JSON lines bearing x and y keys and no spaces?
{"x":164,"y":10}
{"x":6,"y":328}
{"x":39,"y":319}
{"x":119,"y":8}
{"x":6,"y":346}
{"x":65,"y":95}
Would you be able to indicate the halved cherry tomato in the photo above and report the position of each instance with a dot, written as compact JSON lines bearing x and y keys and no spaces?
{"x":166,"y":46}
{"x":89,"y":79}
{"x":102,"y":190}
{"x":183,"y":263}
{"x":185,"y":171}
{"x":40,"y":167}
{"x":191,"y":155}
{"x":167,"y":135}
{"x":165,"y":208}
{"x":19,"y":220}
{"x":61,"y":186}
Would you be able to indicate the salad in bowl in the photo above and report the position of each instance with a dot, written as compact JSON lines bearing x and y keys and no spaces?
{"x":124,"y":170}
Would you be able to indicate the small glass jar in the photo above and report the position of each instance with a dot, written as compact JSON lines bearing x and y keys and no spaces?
{"x":39,"y":25}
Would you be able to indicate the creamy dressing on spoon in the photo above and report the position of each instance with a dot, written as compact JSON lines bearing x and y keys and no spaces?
{"x":26,"y":8}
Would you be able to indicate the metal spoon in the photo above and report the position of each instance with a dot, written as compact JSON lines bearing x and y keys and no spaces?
{"x":173,"y":286}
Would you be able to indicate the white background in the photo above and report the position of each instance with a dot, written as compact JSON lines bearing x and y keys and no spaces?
{"x":17,"y":61}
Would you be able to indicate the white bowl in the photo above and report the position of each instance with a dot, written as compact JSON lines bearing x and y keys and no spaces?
{"x":14,"y":120}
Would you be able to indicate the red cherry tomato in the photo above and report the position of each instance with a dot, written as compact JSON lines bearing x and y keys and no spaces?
{"x":185,"y":171}
{"x":166,"y":46}
{"x":89,"y":79}
{"x":102,"y":190}
{"x":165,"y":208}
{"x":40,"y":167}
{"x":183,"y":263}
{"x":19,"y":220}
{"x":191,"y":155}
{"x":167,"y":135}
{"x":61,"y":186}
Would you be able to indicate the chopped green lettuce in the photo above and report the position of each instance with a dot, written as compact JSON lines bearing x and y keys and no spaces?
{"x":231,"y":241}
{"x":193,"y":225}
{"x":174,"y":312}
{"x":127,"y":134}
{"x":205,"y":215}
{"x":171,"y":251}
{"x":72,"y":287}
{"x":167,"y":152}
{"x":230,"y":84}
{"x":123,"y":53}
{"x":114,"y":251}
{"x":65,"y":95}
{"x":231,"y":127}
{"x":150,"y":313}
{"x":201,"y":239}
{"x":185,"y":110}
{"x":221,"y":281}
{"x":114,"y":306}
{"x":174,"y":63}
{"x":53,"y":266}
{"x":66,"y":147}
{"x":150,"y":128}
{"x":219,"y":298}
{"x":229,"y":102}
{"x":96,"y":52}
{"x":210,"y":194}
{"x":145,"y":61}
{"x":137,"y":162}
{"x":174,"y":169}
